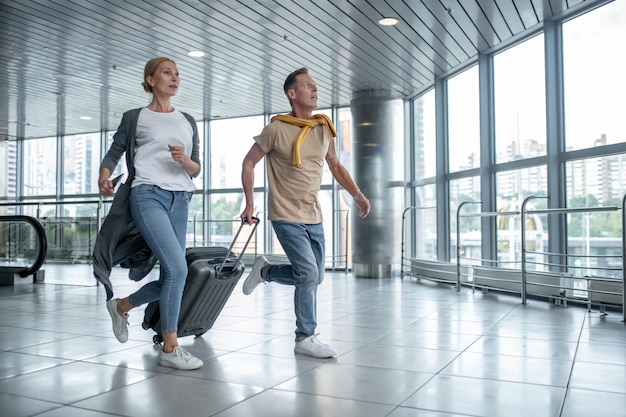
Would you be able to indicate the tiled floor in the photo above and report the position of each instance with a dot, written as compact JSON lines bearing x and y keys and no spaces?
{"x":405,"y":349}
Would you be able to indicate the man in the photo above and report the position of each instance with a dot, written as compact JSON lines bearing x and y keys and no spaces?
{"x":295,"y":146}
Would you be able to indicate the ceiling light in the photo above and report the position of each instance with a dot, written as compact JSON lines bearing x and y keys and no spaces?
{"x":85,"y":117}
{"x":196,"y":54}
{"x":388,"y":21}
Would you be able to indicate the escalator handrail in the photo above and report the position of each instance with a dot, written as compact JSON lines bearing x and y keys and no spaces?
{"x":41,"y":236}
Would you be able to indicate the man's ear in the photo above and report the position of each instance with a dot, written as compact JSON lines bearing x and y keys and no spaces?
{"x":291,"y":93}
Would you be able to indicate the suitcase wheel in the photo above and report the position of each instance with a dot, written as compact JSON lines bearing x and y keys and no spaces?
{"x":157,"y":339}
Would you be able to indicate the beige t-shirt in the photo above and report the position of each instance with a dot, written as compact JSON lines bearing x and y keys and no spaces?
{"x":293,"y":190}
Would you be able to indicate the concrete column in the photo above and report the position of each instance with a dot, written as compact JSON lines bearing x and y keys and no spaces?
{"x":378,"y":152}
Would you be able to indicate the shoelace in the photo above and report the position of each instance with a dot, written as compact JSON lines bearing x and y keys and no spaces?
{"x":182,"y":353}
{"x":124,"y":323}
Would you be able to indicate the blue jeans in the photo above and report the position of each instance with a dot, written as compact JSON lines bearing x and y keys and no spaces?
{"x":161,"y":218}
{"x":304,"y":246}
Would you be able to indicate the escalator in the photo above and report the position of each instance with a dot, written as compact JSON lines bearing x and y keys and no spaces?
{"x":23,"y":248}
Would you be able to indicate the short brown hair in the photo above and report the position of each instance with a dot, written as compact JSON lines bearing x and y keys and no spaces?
{"x":291,"y":82}
{"x":150,"y":69}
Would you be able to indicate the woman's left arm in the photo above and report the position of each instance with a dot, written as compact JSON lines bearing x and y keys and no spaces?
{"x":193,"y":165}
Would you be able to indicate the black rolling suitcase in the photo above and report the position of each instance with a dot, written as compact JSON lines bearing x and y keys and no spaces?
{"x":213,"y":273}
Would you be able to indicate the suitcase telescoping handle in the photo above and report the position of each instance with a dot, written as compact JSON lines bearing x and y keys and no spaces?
{"x":256,"y":222}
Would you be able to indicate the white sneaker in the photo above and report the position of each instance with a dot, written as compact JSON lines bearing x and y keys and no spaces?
{"x":255,"y":277}
{"x":311,"y":346}
{"x":120,"y":323}
{"x":179,"y":358}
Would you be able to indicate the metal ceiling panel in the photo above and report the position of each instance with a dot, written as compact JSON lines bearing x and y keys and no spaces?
{"x":528,"y":12}
{"x":64,"y":59}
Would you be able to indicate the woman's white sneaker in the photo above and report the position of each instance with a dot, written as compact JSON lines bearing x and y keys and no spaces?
{"x":179,"y":358}
{"x":120,"y":322}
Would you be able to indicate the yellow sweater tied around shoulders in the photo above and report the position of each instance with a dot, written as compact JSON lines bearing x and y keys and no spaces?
{"x":306,"y":125}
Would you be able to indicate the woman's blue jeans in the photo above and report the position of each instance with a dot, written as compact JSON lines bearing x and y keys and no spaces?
{"x":161,"y":218}
{"x":304,"y":246}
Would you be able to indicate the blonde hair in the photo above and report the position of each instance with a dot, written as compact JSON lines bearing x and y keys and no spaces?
{"x":150,"y":69}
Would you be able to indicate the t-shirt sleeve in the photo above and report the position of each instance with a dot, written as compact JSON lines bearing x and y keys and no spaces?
{"x":266,"y":138}
{"x":332,"y":150}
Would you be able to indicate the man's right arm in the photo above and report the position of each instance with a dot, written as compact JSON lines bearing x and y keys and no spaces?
{"x":255,"y":154}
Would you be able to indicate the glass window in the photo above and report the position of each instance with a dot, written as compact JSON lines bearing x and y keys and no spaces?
{"x":425,"y":136}
{"x":465,"y":190}
{"x":343,"y":220}
{"x":196,"y":205}
{"x":513,"y":187}
{"x":81,"y":155}
{"x":327,"y":177}
{"x":422,"y":223}
{"x":121,"y":166}
{"x":464,"y":121}
{"x":8,"y":159}
{"x":594,"y":82}
{"x":342,"y":233}
{"x":594,"y":238}
{"x":519,"y":101}
{"x":221,"y":228}
{"x":343,"y":126}
{"x":231,"y":140}
{"x":325,"y":198}
{"x":596,"y":181}
{"x":199,"y":180}
{"x":40,"y":166}
{"x":71,"y":229}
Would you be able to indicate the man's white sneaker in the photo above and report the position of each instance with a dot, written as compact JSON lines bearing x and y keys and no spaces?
{"x":311,"y":346}
{"x":255,"y":277}
{"x":120,"y":323}
{"x":179,"y":358}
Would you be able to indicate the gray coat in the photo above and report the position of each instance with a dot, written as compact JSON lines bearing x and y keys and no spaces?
{"x":118,"y":241}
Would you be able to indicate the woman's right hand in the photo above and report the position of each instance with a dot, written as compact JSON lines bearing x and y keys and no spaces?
{"x":104,"y":183}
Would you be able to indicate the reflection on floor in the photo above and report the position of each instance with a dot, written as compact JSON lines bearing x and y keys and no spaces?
{"x":405,"y":349}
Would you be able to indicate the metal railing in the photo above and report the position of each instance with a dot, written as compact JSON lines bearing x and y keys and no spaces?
{"x":221,"y":233}
{"x":70,"y":238}
{"x":405,"y":261}
{"x":598,"y":280}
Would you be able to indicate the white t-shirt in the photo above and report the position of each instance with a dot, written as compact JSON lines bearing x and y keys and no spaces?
{"x":153,"y":161}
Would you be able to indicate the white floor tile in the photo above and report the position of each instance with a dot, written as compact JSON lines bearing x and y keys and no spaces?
{"x":405,"y":348}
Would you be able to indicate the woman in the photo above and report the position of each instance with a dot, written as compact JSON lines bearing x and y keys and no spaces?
{"x":164,"y":156}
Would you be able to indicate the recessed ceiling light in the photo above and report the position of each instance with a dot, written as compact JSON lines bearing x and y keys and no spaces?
{"x":196,"y":54}
{"x":388,"y":21}
{"x":85,"y":117}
